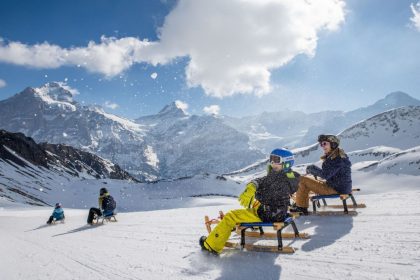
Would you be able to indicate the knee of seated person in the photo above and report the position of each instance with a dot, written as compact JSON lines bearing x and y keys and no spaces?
{"x":229,"y":217}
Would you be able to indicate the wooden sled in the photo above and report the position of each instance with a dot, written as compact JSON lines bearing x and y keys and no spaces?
{"x":260,"y":248}
{"x":241,"y":229}
{"x":343,"y":197}
{"x":333,"y":213}
{"x":260,"y":233}
{"x":54,"y":222}
{"x":105,"y":219}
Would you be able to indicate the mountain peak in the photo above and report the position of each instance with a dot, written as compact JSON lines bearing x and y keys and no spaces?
{"x":397,"y":99}
{"x":175,"y":109}
{"x":56,"y":91}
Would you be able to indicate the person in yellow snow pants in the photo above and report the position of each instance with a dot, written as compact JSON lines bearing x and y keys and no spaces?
{"x":221,"y":233}
{"x":266,"y":199}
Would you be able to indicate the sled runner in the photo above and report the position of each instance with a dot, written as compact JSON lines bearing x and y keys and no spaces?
{"x":344,"y":197}
{"x":107,"y":218}
{"x":260,"y":248}
{"x":61,"y":221}
{"x":241,"y":229}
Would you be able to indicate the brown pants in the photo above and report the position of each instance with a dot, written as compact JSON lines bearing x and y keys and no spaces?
{"x":308,"y":184}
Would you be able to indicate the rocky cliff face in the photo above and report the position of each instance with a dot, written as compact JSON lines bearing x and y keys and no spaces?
{"x":29,"y":170}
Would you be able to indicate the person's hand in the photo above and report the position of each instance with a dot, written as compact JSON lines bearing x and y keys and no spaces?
{"x":310,"y":169}
{"x":247,"y":198}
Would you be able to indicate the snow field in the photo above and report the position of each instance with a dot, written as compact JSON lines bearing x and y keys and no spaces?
{"x":381,"y":242}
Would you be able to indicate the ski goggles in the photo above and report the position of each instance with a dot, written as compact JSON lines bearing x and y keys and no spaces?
{"x":275,"y":159}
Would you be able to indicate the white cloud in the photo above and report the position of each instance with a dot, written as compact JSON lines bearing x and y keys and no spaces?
{"x":416,"y":15}
{"x":109,"y":57}
{"x":181,"y":105}
{"x":232,"y":45}
{"x":212,"y":109}
{"x":2,"y":83}
{"x":153,"y":75}
{"x":111,"y":105}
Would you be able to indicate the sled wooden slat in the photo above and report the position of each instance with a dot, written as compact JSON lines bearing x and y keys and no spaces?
{"x":261,"y":248}
{"x":285,"y":235}
{"x":340,"y":206}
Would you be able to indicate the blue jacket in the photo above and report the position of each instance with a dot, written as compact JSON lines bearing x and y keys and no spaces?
{"x":58,"y":213}
{"x":336,"y":170}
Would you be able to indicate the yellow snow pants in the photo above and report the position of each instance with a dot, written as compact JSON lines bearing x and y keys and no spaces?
{"x":221,"y":233}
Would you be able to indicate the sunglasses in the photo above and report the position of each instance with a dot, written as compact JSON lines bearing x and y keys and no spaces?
{"x":324,"y":143}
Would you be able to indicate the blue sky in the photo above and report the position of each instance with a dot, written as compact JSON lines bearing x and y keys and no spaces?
{"x":355,"y":61}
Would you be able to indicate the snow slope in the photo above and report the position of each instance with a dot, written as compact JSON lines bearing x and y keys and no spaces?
{"x":382,"y":242}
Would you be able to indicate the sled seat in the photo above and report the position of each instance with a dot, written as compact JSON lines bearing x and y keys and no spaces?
{"x":277,"y":226}
{"x":343,"y":197}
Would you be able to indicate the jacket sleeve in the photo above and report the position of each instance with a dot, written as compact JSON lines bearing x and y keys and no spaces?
{"x":314,"y":170}
{"x":258,"y":181}
{"x":294,"y":182}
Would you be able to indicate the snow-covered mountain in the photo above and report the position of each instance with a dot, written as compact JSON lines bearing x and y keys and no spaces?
{"x":404,"y":162}
{"x":397,"y":128}
{"x":31,"y":172}
{"x":169,"y":144}
{"x":295,"y":129}
{"x":188,"y":144}
{"x":49,"y":114}
{"x":278,"y":129}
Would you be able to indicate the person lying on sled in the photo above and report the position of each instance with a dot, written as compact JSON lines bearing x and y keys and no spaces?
{"x":266,"y":199}
{"x":335,"y":172}
{"x":57,"y":215}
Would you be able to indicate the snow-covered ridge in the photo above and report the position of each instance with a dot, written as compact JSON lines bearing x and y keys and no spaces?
{"x":398,"y":128}
{"x":404,"y":162}
{"x":373,"y":153}
{"x":294,"y":129}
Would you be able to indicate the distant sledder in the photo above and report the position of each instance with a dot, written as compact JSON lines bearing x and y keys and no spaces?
{"x":106,"y":210}
{"x":57,"y":215}
{"x":336,"y":183}
{"x":266,"y":200}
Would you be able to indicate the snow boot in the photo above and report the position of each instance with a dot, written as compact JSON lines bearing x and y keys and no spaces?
{"x":203,"y":247}
{"x":297,"y":209}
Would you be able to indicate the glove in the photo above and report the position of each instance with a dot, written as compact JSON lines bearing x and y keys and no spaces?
{"x":312,"y":169}
{"x":246,"y":199}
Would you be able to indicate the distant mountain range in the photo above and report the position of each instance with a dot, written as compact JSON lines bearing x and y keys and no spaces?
{"x":170,"y":144}
{"x":295,"y":129}
{"x":83,"y":142}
